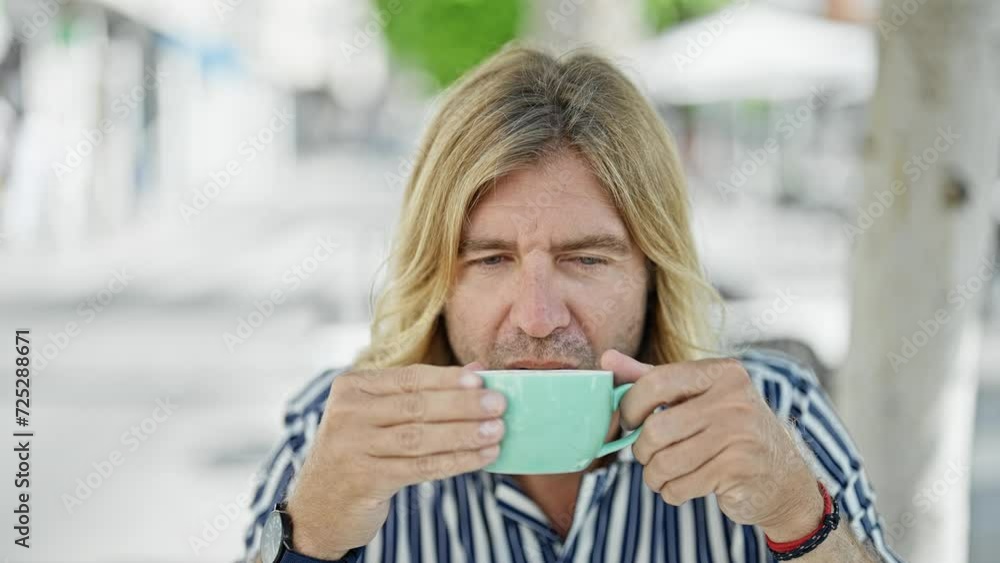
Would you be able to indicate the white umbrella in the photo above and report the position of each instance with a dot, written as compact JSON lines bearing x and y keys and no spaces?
{"x":757,"y":52}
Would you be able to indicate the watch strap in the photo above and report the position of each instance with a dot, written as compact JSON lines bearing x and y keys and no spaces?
{"x":289,"y":556}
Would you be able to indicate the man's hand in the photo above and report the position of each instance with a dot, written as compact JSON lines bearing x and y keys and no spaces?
{"x":717,"y":436}
{"x":382,"y":430}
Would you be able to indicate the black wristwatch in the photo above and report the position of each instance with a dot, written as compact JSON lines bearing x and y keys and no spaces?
{"x":276,"y":539}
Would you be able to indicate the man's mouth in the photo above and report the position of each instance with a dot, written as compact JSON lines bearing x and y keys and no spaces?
{"x":540,"y":364}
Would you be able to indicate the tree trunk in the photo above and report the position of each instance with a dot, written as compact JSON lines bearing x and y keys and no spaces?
{"x":922,"y":266}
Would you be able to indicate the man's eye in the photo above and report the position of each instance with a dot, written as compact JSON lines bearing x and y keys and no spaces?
{"x":590,"y":261}
{"x":490,"y":261}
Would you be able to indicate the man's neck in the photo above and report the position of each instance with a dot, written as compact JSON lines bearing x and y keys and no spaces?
{"x":557,"y":494}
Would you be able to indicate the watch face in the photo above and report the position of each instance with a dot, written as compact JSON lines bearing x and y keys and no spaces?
{"x":271,"y":538}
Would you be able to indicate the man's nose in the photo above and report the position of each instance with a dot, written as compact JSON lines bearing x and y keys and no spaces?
{"x":539,"y":306}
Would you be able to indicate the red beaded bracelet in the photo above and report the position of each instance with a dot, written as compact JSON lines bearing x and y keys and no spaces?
{"x":784,"y":551}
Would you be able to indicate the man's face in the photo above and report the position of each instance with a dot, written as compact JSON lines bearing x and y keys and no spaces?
{"x":549,"y":277}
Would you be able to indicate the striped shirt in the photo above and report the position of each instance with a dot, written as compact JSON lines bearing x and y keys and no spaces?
{"x":484,"y":517}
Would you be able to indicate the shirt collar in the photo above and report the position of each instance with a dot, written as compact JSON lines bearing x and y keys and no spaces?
{"x":517,"y":505}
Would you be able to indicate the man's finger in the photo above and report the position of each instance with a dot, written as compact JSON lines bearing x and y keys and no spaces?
{"x":698,"y":483}
{"x":434,"y":406}
{"x":418,"y":377}
{"x":412,"y":470}
{"x":682,"y":458}
{"x":665,"y":428}
{"x":417,"y":439}
{"x":669,"y":384}
{"x":626,"y":369}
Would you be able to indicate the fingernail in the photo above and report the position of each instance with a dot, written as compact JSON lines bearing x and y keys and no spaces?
{"x":490,"y":428}
{"x":492,"y":402}
{"x":470,"y":380}
{"x":489,"y":452}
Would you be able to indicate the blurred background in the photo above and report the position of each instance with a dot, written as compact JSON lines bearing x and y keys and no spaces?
{"x":196,"y":198}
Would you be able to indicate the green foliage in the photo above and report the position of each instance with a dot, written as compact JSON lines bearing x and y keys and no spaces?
{"x":447,"y":37}
{"x":662,"y":14}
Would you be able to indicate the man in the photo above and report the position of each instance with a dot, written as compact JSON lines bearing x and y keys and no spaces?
{"x":545,"y":226}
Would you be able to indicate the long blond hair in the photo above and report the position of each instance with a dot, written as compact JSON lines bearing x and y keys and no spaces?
{"x":512,"y":111}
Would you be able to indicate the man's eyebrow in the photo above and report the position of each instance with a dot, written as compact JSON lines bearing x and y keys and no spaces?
{"x":470,"y":245}
{"x":604,"y":241}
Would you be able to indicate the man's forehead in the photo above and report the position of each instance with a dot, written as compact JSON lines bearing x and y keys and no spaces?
{"x":565,"y":181}
{"x":558,"y":220}
{"x":574,"y":227}
{"x":527,"y":203}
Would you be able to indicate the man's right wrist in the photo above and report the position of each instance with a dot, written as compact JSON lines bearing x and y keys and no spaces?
{"x":302,"y":538}
{"x":315,"y":552}
{"x":350,"y":556}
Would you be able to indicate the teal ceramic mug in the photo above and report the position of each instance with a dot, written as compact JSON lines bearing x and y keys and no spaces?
{"x":556,"y":420}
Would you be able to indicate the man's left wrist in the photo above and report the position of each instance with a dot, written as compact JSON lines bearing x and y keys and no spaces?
{"x":801,"y":518}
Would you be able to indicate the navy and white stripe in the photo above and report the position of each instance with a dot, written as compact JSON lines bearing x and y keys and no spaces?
{"x":485,"y":518}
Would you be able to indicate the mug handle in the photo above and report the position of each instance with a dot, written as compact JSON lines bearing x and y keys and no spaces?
{"x":620,"y":443}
